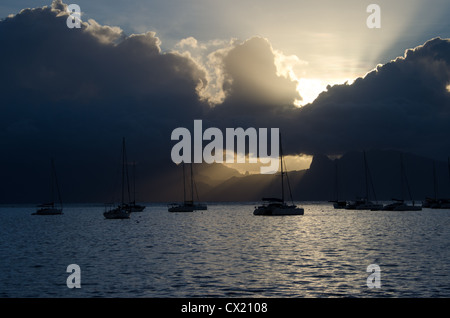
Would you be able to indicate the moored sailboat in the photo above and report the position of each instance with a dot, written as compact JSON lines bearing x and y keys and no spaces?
{"x":133,"y":206}
{"x":364,"y":203}
{"x":438,"y":203}
{"x":120,"y":212}
{"x":337,"y":204}
{"x":187,"y":205}
{"x":51,"y":208}
{"x":276,"y":206}
{"x":399,"y":204}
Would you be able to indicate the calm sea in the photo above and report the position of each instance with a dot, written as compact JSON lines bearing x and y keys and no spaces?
{"x":225,"y":251}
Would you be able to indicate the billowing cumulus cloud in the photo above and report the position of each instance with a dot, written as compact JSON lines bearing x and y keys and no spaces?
{"x":401,"y":105}
{"x":72,"y":94}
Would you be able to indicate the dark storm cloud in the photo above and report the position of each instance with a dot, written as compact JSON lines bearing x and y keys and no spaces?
{"x":73,"y":93}
{"x":403,"y":105}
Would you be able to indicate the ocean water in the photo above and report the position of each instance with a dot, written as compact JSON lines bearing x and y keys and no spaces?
{"x":225,"y":251}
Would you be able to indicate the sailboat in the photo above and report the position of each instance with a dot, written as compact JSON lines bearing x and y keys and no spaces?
{"x":50,"y":208}
{"x":120,"y":212}
{"x":432,"y":202}
{"x":364,"y":203}
{"x":442,"y":203}
{"x":276,"y":206}
{"x":337,"y":204}
{"x":187,"y":205}
{"x":399,"y":204}
{"x":132,"y":206}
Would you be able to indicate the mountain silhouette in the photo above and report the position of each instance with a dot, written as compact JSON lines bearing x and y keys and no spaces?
{"x":319,"y":182}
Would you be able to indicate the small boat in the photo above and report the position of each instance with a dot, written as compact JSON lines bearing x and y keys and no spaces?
{"x":364,"y":203}
{"x":337,"y":204}
{"x":187,"y":205}
{"x":276,"y":206}
{"x":436,"y":203}
{"x":399,"y":204}
{"x":132,"y":206}
{"x":181,"y":207}
{"x":50,"y":208}
{"x":120,"y":212}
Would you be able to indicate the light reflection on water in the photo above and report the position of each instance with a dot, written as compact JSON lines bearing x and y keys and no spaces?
{"x":225,"y":251}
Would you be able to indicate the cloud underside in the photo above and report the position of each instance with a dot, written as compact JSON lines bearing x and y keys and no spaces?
{"x":81,"y":90}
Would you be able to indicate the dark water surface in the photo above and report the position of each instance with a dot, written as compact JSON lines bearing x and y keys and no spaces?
{"x":225,"y":251}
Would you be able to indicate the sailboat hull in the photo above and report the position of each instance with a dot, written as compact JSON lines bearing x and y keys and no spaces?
{"x":117,"y":213}
{"x":134,"y":208}
{"x":278,"y":210}
{"x":181,"y":208}
{"x":49,"y":211}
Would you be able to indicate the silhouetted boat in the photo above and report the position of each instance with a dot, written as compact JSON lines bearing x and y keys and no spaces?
{"x":364,"y":203}
{"x":276,"y":206}
{"x":132,"y":206}
{"x":50,"y":208}
{"x":120,"y":212}
{"x":337,"y":204}
{"x":187,"y":205}
{"x":399,"y":204}
{"x":436,"y":203}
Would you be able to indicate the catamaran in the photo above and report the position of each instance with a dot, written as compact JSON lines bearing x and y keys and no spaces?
{"x":276,"y":206}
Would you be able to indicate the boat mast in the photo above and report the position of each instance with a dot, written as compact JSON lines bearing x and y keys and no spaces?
{"x":123,"y":171}
{"x":448,"y":162}
{"x":184,"y":183}
{"x":56,"y":183}
{"x":282,"y":173}
{"x":434,"y":180}
{"x":134,"y":182}
{"x":52,"y":186}
{"x":365,"y":173}
{"x":192,"y":186}
{"x":336,"y":185}
{"x":403,"y":171}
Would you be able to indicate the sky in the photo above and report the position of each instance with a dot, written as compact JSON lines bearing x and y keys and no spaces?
{"x":321,"y":42}
{"x":140,"y":69}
